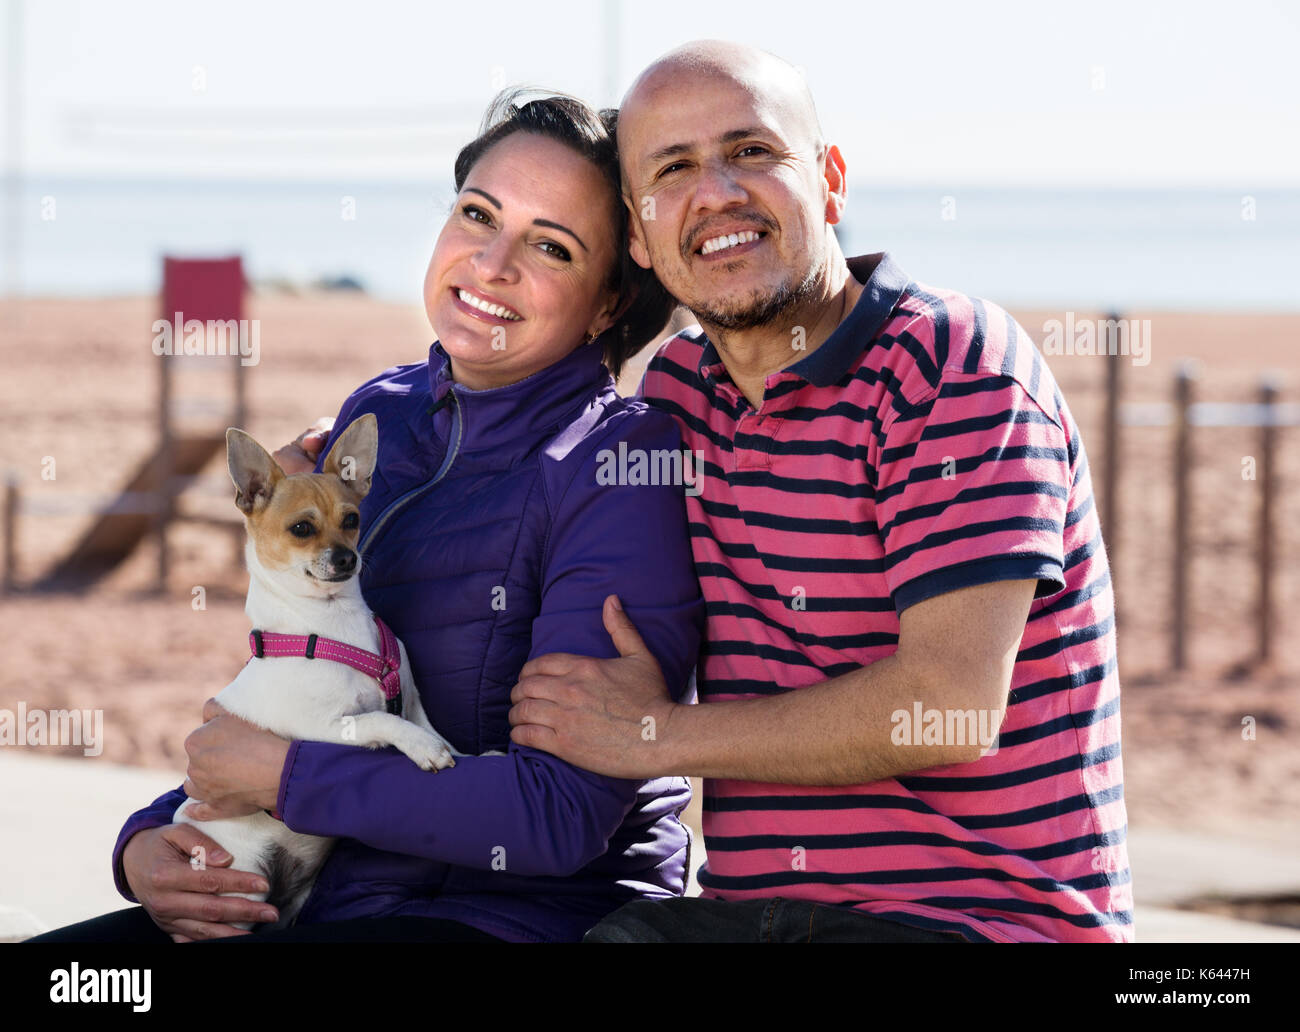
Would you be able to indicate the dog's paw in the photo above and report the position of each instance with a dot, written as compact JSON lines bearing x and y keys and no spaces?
{"x":431,"y":752}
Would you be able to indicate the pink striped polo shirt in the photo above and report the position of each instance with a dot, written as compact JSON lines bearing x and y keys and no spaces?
{"x":924,"y":447}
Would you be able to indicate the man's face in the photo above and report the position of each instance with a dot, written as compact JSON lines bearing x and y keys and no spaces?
{"x":728,"y":194}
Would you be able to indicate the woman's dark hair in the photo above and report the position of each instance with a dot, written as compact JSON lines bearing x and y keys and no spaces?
{"x":567,"y":120}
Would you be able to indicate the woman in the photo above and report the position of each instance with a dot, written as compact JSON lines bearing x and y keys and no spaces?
{"x":487,"y":539}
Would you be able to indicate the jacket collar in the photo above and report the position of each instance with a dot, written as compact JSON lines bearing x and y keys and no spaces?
{"x":521,"y":413}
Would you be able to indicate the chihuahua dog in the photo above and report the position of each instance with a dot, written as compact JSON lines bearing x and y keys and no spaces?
{"x":323,"y":668}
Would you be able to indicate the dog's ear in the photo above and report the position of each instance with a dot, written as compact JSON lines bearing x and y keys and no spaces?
{"x":252,"y":469}
{"x":352,"y":457}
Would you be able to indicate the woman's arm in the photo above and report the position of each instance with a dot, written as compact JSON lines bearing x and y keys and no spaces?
{"x":529,"y":810}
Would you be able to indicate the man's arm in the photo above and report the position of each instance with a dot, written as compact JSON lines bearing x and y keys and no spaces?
{"x":956,"y":651}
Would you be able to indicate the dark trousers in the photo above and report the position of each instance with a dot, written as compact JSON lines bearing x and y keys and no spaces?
{"x":767,"y":920}
{"x":135,"y":925}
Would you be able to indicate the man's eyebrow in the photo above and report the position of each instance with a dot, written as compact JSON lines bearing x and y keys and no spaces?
{"x":536,"y":222}
{"x":730,"y":136}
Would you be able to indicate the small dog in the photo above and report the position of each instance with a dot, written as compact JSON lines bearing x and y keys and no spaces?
{"x":323,"y":668}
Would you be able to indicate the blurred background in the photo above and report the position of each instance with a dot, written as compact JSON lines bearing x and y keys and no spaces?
{"x":1135,"y":161}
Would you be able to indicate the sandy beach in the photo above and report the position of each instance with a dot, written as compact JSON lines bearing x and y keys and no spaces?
{"x":80,"y":387}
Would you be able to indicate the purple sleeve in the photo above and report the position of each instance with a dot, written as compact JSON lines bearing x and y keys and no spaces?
{"x":155,"y":815}
{"x":528,"y":809}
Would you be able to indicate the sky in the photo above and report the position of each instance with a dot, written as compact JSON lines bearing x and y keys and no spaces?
{"x":1105,"y":94}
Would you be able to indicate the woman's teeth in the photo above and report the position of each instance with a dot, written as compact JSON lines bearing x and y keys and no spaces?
{"x":500,"y":311}
{"x":730,"y":240}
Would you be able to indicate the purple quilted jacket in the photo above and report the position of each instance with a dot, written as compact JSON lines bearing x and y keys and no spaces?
{"x":488,"y":539}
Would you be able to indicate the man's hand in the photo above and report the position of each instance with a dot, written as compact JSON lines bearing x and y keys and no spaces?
{"x":234,"y":766}
{"x":605,"y":715}
{"x":176,"y":872}
{"x":299,"y":456}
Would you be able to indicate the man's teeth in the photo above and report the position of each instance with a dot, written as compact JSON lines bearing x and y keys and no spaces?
{"x":730,"y":240}
{"x":483,"y":306}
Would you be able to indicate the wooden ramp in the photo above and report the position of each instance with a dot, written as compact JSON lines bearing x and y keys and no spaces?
{"x":120,"y":528}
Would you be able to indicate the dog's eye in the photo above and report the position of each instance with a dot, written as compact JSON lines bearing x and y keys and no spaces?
{"x":351,"y":521}
{"x":302,"y":529}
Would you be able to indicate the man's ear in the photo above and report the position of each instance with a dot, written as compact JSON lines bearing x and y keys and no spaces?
{"x":252,"y":469}
{"x":353,"y":456}
{"x":636,"y":242}
{"x":837,"y":185}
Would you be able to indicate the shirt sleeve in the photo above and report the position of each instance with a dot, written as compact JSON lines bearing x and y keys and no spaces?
{"x":545,"y":816}
{"x":973,"y":484}
{"x":155,"y":815}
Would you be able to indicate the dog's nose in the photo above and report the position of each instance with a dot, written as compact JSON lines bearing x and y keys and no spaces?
{"x":344,"y":560}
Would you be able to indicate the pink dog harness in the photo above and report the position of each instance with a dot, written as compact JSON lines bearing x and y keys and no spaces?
{"x":384,"y":668}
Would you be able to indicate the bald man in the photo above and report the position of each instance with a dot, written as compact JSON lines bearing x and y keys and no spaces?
{"x":908,"y":719}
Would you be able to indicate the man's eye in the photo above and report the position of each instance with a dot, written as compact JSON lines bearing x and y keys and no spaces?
{"x":302,"y":529}
{"x":555,"y":250}
{"x":351,"y":521}
{"x":670,"y":168}
{"x":757,"y":148}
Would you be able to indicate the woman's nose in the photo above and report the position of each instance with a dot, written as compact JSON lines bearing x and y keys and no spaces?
{"x":494,"y":261}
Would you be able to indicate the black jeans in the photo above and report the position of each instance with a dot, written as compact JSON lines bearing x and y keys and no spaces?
{"x":135,"y":925}
{"x":766,"y":920}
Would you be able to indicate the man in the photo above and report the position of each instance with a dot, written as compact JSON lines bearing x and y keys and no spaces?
{"x":899,"y":553}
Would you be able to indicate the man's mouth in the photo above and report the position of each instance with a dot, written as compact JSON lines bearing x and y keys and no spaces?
{"x":729,"y":241}
{"x":479,"y":304}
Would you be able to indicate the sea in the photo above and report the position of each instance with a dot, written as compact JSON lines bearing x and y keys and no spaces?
{"x":1113,"y":249}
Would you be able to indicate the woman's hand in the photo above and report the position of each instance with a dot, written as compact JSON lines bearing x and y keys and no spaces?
{"x":234,"y":767}
{"x":299,"y":456}
{"x":176,"y":872}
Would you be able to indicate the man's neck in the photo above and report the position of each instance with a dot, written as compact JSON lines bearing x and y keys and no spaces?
{"x":752,"y":355}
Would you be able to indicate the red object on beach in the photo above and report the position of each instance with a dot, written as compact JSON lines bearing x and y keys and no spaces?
{"x":203,"y":288}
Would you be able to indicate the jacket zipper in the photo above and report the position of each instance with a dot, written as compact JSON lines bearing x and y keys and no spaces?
{"x":415,"y":492}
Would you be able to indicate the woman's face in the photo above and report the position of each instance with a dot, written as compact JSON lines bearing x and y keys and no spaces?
{"x":519,"y":276}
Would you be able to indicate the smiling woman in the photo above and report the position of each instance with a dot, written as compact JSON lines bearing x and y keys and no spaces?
{"x":487,"y":539}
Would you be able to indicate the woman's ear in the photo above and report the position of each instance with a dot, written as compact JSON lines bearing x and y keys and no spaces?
{"x":609,"y":315}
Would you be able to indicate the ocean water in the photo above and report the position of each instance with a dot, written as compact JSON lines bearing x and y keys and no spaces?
{"x":1125,"y":249}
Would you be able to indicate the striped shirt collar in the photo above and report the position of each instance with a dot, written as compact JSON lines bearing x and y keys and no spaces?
{"x":884,"y":283}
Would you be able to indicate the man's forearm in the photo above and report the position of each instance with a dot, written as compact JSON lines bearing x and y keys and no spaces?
{"x":839,"y":732}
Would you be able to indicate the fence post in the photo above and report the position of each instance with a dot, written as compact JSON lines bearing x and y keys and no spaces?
{"x":1111,"y":474}
{"x":1182,"y":504}
{"x":1268,"y":391}
{"x":11,"y":505}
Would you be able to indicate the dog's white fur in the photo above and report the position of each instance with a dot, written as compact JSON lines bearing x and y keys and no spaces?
{"x":309,"y":699}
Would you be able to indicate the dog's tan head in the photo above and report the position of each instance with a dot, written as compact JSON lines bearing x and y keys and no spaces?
{"x":304,"y":526}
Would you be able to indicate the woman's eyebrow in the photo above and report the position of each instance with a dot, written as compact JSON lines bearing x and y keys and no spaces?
{"x":562,"y":229}
{"x":536,"y":222}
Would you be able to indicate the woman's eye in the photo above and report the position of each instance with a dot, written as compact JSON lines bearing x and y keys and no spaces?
{"x":475,"y":214}
{"x":351,"y":521}
{"x":302,"y":529}
{"x":555,"y":250}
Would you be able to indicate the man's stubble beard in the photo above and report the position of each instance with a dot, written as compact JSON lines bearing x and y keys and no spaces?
{"x":759,"y":309}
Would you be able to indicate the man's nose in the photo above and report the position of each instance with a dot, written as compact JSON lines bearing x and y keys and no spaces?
{"x":717,"y":188}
